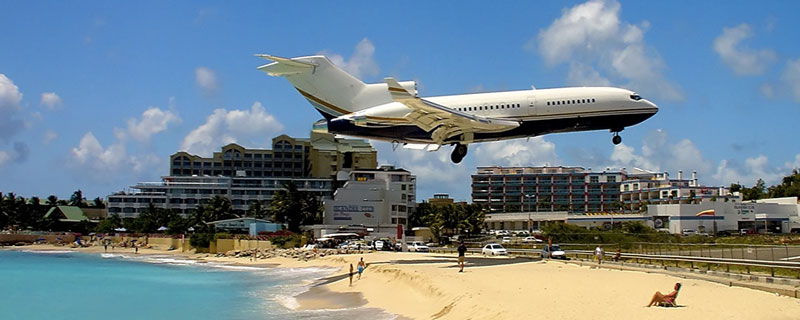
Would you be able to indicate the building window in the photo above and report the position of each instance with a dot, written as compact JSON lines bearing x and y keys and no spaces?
{"x":594,"y":179}
{"x":611,"y":178}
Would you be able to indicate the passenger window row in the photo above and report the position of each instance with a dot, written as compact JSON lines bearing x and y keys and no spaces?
{"x":491,"y":107}
{"x":575,"y":101}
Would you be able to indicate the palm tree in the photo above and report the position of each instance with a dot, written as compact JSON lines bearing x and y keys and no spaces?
{"x":295,"y":208}
{"x":98,"y":203}
{"x":52,"y":200}
{"x":77,"y":199}
{"x":257,"y":210}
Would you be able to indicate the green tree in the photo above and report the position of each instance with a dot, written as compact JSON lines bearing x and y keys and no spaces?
{"x":257,"y":210}
{"x":77,"y":199}
{"x":295,"y":208}
{"x":218,"y":208}
{"x":692,"y":196}
{"x":98,"y":203}
{"x":52,"y":200}
{"x":789,"y":186}
{"x":108,"y":225}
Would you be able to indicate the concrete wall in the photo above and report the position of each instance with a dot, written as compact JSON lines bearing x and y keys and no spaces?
{"x":225,"y":245}
{"x":10,"y":239}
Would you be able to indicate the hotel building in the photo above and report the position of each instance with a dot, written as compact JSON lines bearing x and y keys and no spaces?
{"x":546,"y":189}
{"x":248,"y":175}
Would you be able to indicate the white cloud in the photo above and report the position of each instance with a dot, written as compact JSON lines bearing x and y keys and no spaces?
{"x":4,"y":158}
{"x":49,"y":136}
{"x":591,"y":37}
{"x":361,"y":63}
{"x":153,"y":121}
{"x":10,"y":96}
{"x":51,"y":100}
{"x":767,"y":90}
{"x":106,"y":164}
{"x":584,"y":75}
{"x":90,"y":154}
{"x":249,"y":127}
{"x":740,"y":58}
{"x":206,"y":79}
{"x":729,"y":171}
{"x":795,"y":164}
{"x":519,"y":152}
{"x":91,"y":159}
{"x":660,"y":153}
{"x":791,"y":78}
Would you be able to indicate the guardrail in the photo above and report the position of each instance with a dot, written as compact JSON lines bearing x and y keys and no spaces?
{"x":727,"y":262}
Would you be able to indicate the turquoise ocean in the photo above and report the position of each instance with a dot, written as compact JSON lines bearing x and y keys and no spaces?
{"x":72,"y":285}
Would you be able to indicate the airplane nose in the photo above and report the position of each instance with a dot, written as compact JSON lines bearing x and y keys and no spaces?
{"x":652,"y":106}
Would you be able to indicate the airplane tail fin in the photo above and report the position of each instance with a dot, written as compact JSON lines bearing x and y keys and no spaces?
{"x":327,"y":87}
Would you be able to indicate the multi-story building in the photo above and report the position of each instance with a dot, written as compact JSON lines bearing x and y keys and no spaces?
{"x":248,"y":175}
{"x":320,"y":156}
{"x":383,"y":196}
{"x":527,"y":189}
{"x":643,"y":188}
{"x":183,"y":194}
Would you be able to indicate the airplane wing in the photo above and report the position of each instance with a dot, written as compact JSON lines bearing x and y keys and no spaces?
{"x":445,"y":122}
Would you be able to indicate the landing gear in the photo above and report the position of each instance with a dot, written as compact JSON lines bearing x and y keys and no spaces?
{"x":458,"y":153}
{"x":616,"y":139}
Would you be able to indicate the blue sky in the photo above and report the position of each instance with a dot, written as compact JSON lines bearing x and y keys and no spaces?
{"x":96,"y":95}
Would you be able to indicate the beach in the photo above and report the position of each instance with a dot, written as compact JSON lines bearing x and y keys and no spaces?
{"x":429,"y":286}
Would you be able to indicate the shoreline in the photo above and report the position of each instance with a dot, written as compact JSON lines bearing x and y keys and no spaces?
{"x":425,"y":286}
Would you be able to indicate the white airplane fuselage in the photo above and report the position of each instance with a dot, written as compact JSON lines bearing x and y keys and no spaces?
{"x":353,"y":108}
{"x":539,"y":112}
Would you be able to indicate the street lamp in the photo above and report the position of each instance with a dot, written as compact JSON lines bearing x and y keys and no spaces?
{"x":530,"y":225}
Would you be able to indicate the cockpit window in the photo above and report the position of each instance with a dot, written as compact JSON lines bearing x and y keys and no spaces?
{"x":636,"y":97}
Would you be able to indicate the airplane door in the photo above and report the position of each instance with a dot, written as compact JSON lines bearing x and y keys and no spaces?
{"x":531,"y":109}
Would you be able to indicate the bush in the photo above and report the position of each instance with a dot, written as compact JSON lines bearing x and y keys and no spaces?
{"x":223,"y":235}
{"x":290,"y":241}
{"x":201,"y":240}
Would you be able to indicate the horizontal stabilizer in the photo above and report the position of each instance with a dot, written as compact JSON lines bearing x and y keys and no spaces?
{"x":284,"y":66}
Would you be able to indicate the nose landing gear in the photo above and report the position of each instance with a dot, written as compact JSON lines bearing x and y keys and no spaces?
{"x":459,"y":152}
{"x":616,"y":139}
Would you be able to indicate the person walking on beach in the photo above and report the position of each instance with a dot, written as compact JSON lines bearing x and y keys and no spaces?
{"x":361,"y":266}
{"x":462,"y":249}
{"x":599,"y":253}
{"x":351,"y":274}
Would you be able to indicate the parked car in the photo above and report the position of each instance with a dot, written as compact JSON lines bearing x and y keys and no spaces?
{"x":382,"y":245}
{"x":688,"y":232}
{"x":417,"y":246}
{"x":494,"y":249}
{"x":502,"y":233}
{"x":554,"y":252}
{"x":356,"y":245}
{"x":506,"y":239}
{"x":532,"y":240}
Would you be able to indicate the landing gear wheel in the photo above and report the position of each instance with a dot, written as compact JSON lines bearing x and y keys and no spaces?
{"x":616,"y":139}
{"x":458,"y":153}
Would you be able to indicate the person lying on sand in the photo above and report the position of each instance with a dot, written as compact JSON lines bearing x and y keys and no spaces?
{"x":665,"y":300}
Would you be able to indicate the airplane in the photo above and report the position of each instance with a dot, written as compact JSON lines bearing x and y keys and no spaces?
{"x":392,"y":111}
